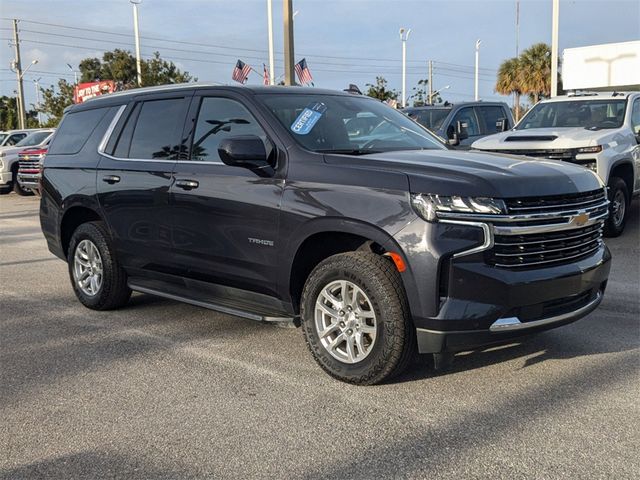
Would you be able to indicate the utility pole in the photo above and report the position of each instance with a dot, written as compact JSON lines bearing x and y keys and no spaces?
{"x":37,"y":84}
{"x":137,"y":35}
{"x":404,"y":35}
{"x":554,"y":47}
{"x":289,"y":56}
{"x":272,"y":74}
{"x":517,"y":27}
{"x":430,"y":81}
{"x":478,"y":42}
{"x":18,"y":67}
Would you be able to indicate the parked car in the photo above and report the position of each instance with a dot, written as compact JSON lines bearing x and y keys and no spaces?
{"x":11,"y":137}
{"x":9,"y":160}
{"x":598,"y":131}
{"x":30,"y":168}
{"x":256,"y":201}
{"x":461,"y":124}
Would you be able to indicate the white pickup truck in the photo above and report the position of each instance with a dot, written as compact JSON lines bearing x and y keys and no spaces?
{"x":598,"y":131}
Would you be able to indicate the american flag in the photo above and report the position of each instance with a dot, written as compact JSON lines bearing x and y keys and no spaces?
{"x":241,"y":72}
{"x":302,"y":70}
{"x":265,"y":75}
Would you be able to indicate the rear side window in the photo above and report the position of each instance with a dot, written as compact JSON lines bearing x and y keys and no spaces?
{"x":75,"y":130}
{"x":15,"y":138}
{"x":489,"y":117}
{"x":156,"y":134}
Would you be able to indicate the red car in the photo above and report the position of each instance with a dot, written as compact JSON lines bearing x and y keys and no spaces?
{"x":30,"y":168}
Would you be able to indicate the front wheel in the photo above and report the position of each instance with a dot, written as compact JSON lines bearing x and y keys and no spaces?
{"x":98,"y":280}
{"x":619,"y":201}
{"x":355,"y":318}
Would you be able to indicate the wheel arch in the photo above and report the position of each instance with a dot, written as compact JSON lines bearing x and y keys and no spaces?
{"x":72,"y":218}
{"x":624,"y":169}
{"x":322,"y":238}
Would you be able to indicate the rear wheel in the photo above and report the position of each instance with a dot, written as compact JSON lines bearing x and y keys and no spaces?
{"x":98,"y":280}
{"x":619,"y":201}
{"x":356,"y":320}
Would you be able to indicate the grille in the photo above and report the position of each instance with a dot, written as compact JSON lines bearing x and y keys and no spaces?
{"x":29,"y":165}
{"x":551,"y":230}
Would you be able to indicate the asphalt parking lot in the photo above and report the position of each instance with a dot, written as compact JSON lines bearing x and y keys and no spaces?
{"x":165,"y":390}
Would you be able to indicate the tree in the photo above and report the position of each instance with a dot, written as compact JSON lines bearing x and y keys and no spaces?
{"x":117,"y":65}
{"x":535,"y":68}
{"x":381,"y":91}
{"x":509,"y":81}
{"x":9,"y":115}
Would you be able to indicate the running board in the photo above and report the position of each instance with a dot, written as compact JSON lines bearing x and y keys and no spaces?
{"x":212,"y":306}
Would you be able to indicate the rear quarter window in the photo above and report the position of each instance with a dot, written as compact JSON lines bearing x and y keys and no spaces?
{"x":75,"y":129}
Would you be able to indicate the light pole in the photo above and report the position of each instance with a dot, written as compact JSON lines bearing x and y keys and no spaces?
{"x":404,"y":34}
{"x":136,"y":33}
{"x":431,"y":95}
{"x":478,"y":42}
{"x":272,"y":78}
{"x":15,"y":66}
{"x":75,"y":73}
{"x":554,"y":47}
{"x":37,"y":84}
{"x":289,"y":55}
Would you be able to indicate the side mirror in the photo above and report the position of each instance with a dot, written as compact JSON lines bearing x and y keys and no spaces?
{"x":245,"y":151}
{"x":502,"y":125}
{"x":638,"y":138}
{"x":461,"y":130}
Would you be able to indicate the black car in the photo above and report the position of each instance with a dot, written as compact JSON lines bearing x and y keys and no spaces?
{"x":461,"y":124}
{"x":259,"y":202}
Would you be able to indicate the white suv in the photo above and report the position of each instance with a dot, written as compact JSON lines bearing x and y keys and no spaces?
{"x":598,"y":131}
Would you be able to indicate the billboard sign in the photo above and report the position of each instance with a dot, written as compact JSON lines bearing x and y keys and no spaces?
{"x":85,"y":91}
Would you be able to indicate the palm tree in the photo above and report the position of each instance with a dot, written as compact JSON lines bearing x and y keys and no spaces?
{"x":535,"y":68}
{"x":509,"y":81}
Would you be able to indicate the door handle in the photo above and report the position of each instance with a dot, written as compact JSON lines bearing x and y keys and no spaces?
{"x":187,"y":184}
{"x":111,"y":179}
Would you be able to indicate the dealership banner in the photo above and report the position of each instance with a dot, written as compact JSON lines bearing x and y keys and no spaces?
{"x":85,"y":91}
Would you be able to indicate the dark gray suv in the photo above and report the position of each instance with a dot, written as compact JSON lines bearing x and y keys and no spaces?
{"x":461,"y":124}
{"x":263,"y":203}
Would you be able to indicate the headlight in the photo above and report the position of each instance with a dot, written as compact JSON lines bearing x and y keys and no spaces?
{"x":590,"y":164}
{"x":594,"y":149}
{"x":428,"y":205}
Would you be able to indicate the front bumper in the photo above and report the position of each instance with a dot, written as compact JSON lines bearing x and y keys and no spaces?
{"x":5,"y":178}
{"x":487,"y":305}
{"x":29,"y":180}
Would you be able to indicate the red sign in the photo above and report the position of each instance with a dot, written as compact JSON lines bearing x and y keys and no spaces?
{"x":85,"y":91}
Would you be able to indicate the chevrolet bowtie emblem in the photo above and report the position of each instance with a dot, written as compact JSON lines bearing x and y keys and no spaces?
{"x":580,"y":220}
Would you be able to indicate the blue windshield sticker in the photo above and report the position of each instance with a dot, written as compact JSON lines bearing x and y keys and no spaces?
{"x":308,"y":118}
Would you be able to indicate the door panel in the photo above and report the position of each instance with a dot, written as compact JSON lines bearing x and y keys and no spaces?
{"x":225,"y":229}
{"x":134,"y":192}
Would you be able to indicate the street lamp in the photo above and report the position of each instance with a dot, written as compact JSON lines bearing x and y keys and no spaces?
{"x":33,"y":62}
{"x":404,"y":34}
{"x":75,"y":73}
{"x":436,"y":93}
{"x":37,"y":84}
{"x":136,"y":32}
{"x":478,"y":42}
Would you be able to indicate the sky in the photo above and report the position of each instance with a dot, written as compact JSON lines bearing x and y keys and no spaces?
{"x":344,"y":41}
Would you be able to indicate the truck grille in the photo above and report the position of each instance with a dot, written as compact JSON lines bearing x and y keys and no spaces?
{"x":546,"y":231}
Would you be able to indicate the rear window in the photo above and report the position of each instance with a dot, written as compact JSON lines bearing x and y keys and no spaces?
{"x":75,"y":130}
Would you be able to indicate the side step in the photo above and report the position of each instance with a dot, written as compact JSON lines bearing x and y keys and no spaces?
{"x":213,"y":306}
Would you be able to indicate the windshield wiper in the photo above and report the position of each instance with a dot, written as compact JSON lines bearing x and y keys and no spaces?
{"x":349,"y":151}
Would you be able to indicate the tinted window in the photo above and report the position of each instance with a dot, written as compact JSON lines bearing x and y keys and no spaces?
{"x":322,"y":123}
{"x":220,"y":118}
{"x":431,"y":118}
{"x":490,"y":116}
{"x":75,"y":130}
{"x":15,"y":138}
{"x":635,"y":116}
{"x":124,"y":139}
{"x":157,"y":131}
{"x":35,"y":138}
{"x":466,"y":115}
{"x":594,"y":114}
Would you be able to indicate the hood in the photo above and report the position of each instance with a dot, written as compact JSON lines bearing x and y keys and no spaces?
{"x":537,"y":138}
{"x":464,"y":173}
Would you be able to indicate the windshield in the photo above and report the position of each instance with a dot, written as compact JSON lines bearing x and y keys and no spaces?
{"x":591,"y":114}
{"x":35,"y":138}
{"x":431,"y":118}
{"x":348,"y":124}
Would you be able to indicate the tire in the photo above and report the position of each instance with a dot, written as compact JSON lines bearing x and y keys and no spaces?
{"x":111,"y":285}
{"x":16,"y":187}
{"x":618,"y":208}
{"x":5,"y":190}
{"x":377,"y":292}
